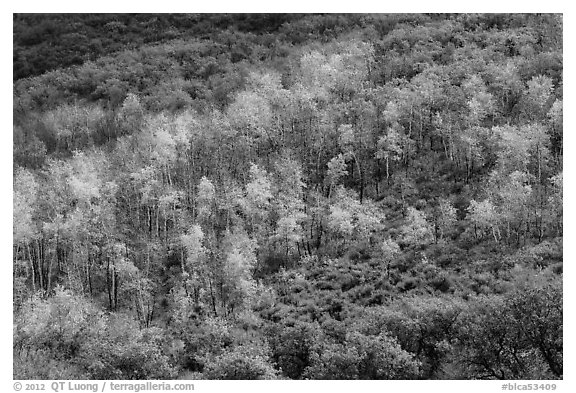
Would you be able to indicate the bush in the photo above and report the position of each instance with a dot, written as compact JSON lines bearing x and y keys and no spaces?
{"x":422,"y":326}
{"x":246,"y":363}
{"x":515,"y":336}
{"x":127,"y":352}
{"x":362,"y":357}
{"x":442,"y":283}
{"x":75,"y":340}
{"x":292,"y":346}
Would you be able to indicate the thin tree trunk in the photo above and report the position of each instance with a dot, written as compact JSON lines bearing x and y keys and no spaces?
{"x":40,"y":265}
{"x":387,"y":172}
{"x":32,"y":267}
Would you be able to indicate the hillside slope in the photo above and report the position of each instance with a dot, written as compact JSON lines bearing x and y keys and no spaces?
{"x":288,"y":196}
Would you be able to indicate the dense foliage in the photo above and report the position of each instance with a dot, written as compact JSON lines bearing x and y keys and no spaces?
{"x":288,"y":196}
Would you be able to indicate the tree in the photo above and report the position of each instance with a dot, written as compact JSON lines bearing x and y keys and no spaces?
{"x":536,"y":98}
{"x":251,"y":114}
{"x":506,"y":84}
{"x":258,"y":190}
{"x":514,"y":193}
{"x":389,"y":149}
{"x":390,"y":250}
{"x":256,"y":202}
{"x":469,"y":147}
{"x":239,"y":253}
{"x":289,"y":203}
{"x":131,"y":115}
{"x":417,"y":231}
{"x":289,"y":231}
{"x":341,"y":216}
{"x":556,"y":203}
{"x":514,"y":149}
{"x":484,"y":217}
{"x":480,"y":101}
{"x":24,"y":198}
{"x":347,"y":142}
{"x":351,"y":221}
{"x":195,"y":272}
{"x":555,"y":117}
{"x":206,"y":196}
{"x":74,"y":126}
{"x":336,"y":170}
{"x":446,"y":218}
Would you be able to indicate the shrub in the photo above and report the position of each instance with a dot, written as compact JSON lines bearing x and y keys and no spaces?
{"x":246,"y":363}
{"x":75,"y":340}
{"x":515,"y":336}
{"x":362,"y":357}
{"x":292,"y":346}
